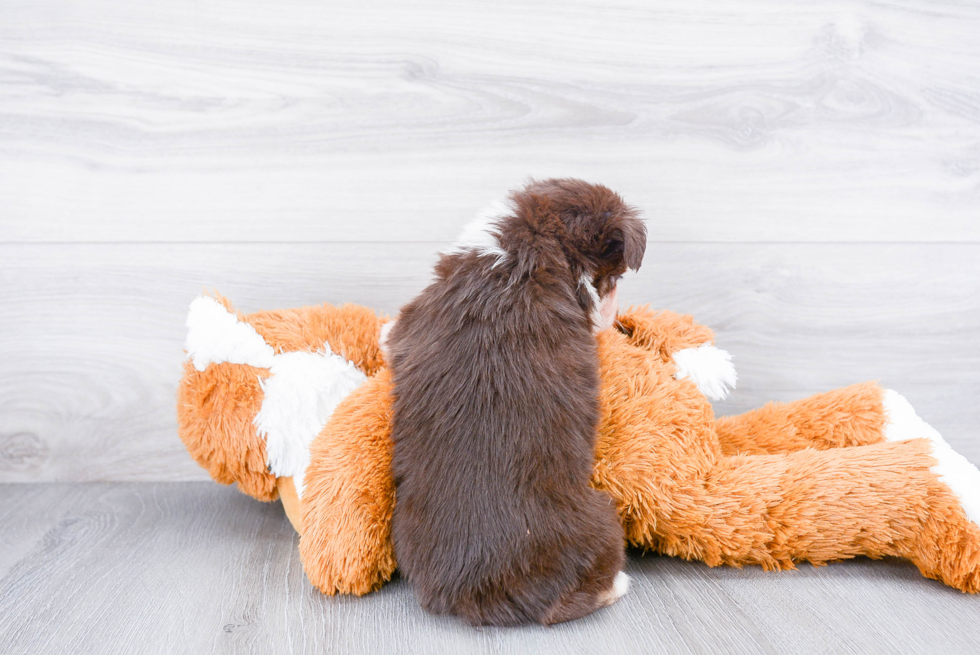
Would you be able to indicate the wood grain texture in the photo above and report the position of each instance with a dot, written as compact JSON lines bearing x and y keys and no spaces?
{"x":811,"y":177}
{"x":191,"y":567}
{"x":94,"y":333}
{"x":296,"y":121}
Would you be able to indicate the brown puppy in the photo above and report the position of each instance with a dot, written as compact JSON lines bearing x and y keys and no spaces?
{"x":495,"y":407}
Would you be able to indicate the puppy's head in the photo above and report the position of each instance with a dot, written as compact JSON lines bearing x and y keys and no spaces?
{"x":599,"y":234}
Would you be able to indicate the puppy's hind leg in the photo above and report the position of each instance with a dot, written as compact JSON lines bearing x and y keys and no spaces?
{"x":603,"y":582}
{"x":586,"y":599}
{"x":621,"y":585}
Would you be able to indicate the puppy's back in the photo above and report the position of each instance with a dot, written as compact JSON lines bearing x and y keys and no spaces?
{"x":496,"y":387}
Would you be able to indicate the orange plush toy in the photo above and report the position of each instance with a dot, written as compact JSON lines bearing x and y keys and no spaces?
{"x":296,"y":404}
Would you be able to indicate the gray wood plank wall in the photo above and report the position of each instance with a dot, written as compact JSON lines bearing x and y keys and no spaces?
{"x":810,"y":173}
{"x":811,"y":177}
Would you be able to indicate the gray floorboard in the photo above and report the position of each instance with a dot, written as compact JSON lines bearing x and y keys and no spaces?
{"x":194,"y":567}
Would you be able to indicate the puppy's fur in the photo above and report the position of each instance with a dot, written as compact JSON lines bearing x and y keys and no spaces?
{"x":495,"y":408}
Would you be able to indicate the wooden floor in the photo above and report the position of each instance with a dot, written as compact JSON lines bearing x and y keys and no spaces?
{"x":192,"y":567}
{"x":810,"y":173}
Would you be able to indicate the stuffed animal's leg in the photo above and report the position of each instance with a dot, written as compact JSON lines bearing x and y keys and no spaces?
{"x":350,"y":495}
{"x":915,"y":499}
{"x":912,"y":499}
{"x":852,"y":416}
{"x":216,"y":409}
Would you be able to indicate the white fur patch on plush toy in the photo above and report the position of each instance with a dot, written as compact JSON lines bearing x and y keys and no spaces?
{"x":710,"y":368}
{"x":954,"y":470}
{"x":302,"y":394}
{"x":215,"y":335}
{"x":299,"y":397}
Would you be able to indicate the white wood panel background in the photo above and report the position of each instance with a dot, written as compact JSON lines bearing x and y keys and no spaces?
{"x":308,"y":121}
{"x":810,"y":173}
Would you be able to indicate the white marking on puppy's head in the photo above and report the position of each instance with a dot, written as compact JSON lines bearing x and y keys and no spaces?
{"x":609,"y":309}
{"x":595,"y":317}
{"x":481,"y":234}
{"x":383,"y":338}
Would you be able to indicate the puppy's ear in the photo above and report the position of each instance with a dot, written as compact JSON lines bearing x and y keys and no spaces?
{"x":635,"y":243}
{"x":625,"y":245}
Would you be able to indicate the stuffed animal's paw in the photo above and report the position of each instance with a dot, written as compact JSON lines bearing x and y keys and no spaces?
{"x":948,"y":544}
{"x":953,"y":469}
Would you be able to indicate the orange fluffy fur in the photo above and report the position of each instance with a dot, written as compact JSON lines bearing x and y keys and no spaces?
{"x":811,"y":480}
{"x":216,"y":407}
{"x":215,"y":410}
